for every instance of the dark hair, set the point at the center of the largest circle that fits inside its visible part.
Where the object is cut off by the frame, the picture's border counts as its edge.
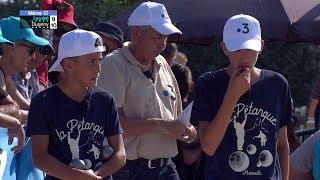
(170, 50)
(183, 76)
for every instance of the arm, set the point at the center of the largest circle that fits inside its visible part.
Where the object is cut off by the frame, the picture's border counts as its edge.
(50, 165)
(283, 150)
(140, 126)
(9, 107)
(23, 103)
(117, 160)
(211, 134)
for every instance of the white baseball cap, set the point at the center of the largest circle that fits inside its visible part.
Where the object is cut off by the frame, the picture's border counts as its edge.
(242, 32)
(154, 15)
(77, 43)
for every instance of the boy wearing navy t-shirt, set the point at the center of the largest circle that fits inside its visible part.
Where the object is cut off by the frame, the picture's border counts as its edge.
(243, 111)
(74, 124)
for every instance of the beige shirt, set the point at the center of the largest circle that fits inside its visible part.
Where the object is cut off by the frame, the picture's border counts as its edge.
(121, 75)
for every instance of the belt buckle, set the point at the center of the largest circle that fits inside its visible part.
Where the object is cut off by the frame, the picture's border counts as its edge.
(150, 164)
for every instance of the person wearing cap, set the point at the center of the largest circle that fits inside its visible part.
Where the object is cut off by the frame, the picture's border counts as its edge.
(243, 111)
(9, 113)
(111, 34)
(15, 60)
(73, 124)
(147, 96)
(65, 23)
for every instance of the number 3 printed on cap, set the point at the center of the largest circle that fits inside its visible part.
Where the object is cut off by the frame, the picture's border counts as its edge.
(245, 29)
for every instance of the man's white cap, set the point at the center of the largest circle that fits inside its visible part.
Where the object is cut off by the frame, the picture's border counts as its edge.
(77, 43)
(154, 15)
(242, 32)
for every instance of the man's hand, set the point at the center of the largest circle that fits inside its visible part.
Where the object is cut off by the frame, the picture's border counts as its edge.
(190, 133)
(17, 132)
(172, 128)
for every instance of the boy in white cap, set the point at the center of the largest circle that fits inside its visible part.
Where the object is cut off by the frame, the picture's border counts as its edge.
(243, 111)
(67, 120)
(147, 96)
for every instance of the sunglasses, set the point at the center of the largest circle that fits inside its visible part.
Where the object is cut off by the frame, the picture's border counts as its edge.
(31, 50)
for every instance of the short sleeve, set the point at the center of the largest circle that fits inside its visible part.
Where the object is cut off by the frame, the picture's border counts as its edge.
(287, 106)
(112, 79)
(202, 109)
(37, 119)
(302, 158)
(112, 126)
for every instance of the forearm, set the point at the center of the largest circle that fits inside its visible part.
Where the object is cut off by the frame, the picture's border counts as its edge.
(11, 110)
(284, 160)
(24, 116)
(53, 167)
(16, 95)
(138, 126)
(117, 160)
(214, 133)
(9, 122)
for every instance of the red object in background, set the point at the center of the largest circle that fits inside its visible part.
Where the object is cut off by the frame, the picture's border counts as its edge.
(42, 71)
(65, 10)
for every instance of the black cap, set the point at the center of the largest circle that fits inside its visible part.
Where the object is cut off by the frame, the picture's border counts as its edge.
(110, 30)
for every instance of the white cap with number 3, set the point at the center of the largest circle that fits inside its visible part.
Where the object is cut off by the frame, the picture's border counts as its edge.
(242, 32)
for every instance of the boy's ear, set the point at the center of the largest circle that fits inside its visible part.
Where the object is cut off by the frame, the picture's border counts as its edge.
(224, 49)
(66, 64)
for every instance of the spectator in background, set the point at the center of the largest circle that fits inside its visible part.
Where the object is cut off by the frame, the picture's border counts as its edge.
(66, 23)
(305, 160)
(10, 124)
(27, 82)
(111, 34)
(181, 58)
(15, 60)
(44, 55)
(190, 161)
(315, 96)
(170, 53)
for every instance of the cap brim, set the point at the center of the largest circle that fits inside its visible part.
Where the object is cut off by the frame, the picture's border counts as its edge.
(252, 44)
(3, 40)
(109, 36)
(57, 64)
(38, 41)
(166, 28)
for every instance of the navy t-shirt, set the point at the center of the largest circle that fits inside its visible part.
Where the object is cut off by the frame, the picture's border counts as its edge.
(248, 149)
(76, 130)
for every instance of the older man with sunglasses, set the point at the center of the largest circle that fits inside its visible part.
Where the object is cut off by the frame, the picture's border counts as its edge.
(15, 60)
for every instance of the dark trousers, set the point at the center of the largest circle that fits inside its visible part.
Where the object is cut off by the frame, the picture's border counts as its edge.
(138, 170)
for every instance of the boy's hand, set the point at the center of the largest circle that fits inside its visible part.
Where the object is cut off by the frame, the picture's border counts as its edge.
(87, 175)
(239, 82)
